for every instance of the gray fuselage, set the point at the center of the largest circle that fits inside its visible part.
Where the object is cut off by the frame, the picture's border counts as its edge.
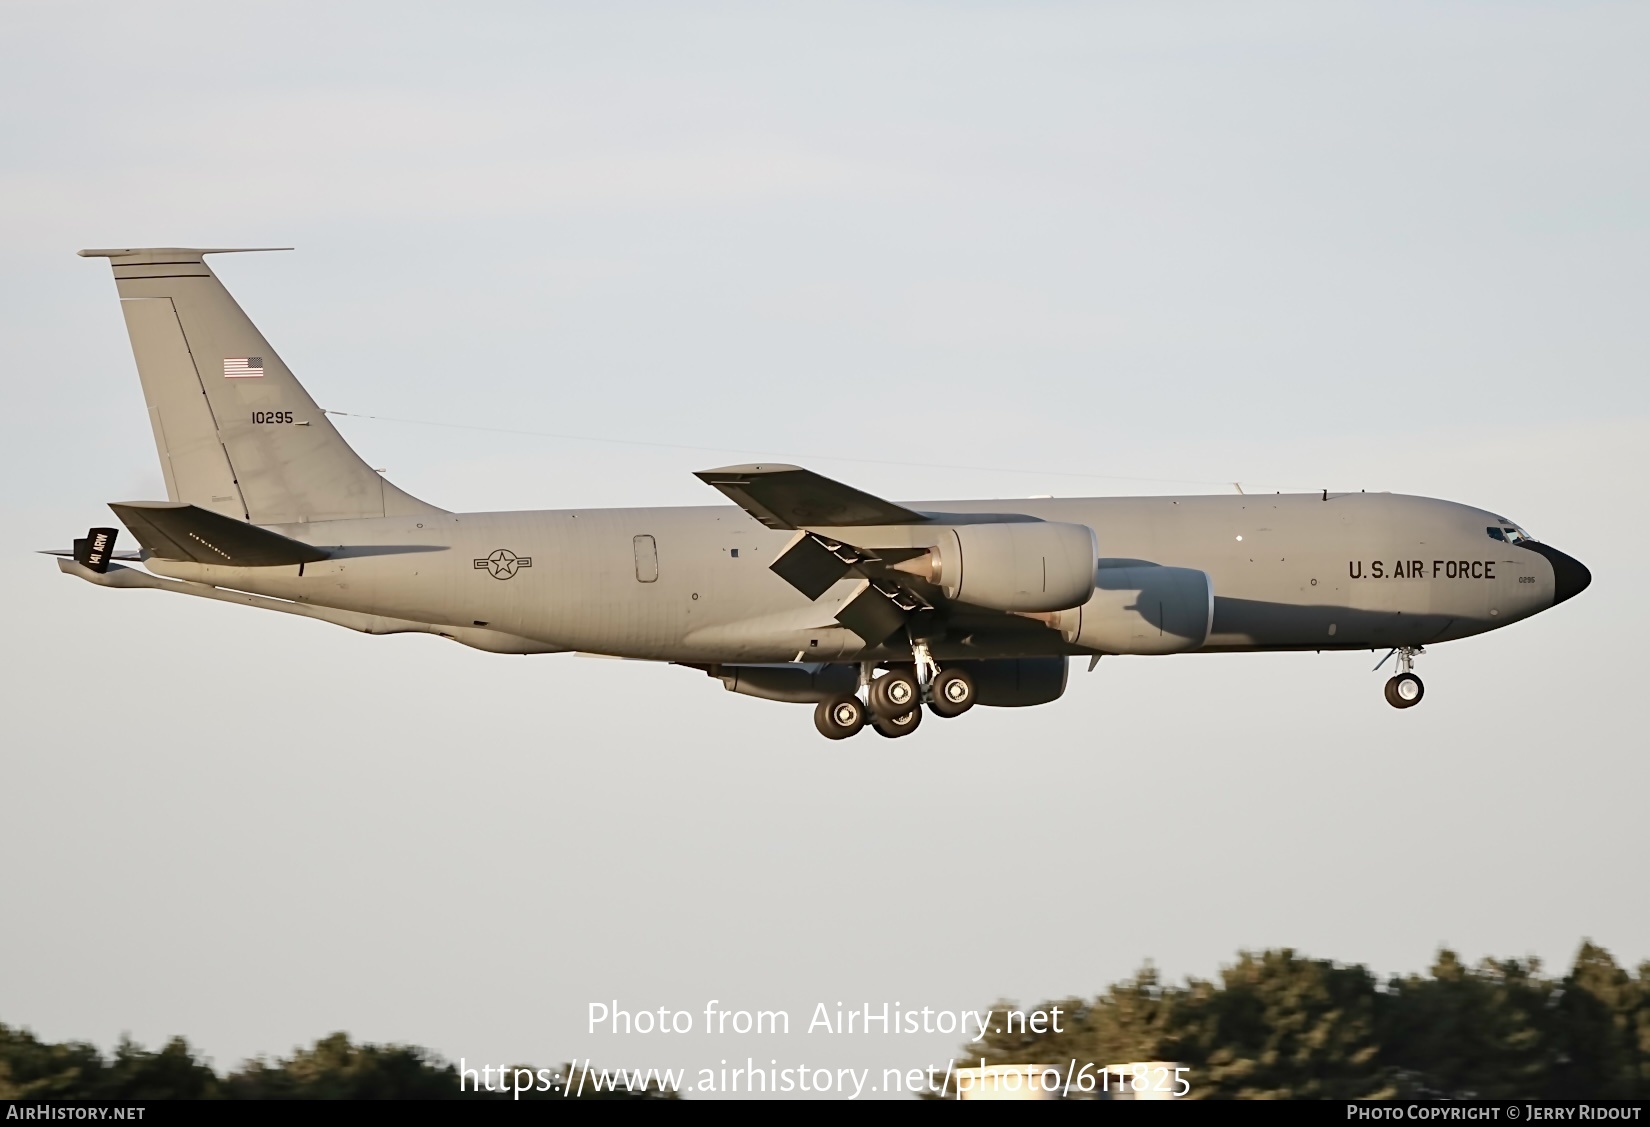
(693, 585)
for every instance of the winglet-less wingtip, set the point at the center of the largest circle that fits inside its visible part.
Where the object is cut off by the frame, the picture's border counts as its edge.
(129, 252)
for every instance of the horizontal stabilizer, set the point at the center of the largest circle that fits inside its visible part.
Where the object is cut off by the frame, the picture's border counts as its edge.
(792, 497)
(69, 553)
(174, 530)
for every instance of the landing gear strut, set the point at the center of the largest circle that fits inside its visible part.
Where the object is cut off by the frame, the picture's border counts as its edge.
(1404, 690)
(894, 700)
(947, 693)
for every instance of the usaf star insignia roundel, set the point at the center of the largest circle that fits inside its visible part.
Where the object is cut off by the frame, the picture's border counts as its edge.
(503, 563)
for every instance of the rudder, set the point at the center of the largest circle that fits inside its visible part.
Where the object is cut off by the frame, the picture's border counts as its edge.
(236, 432)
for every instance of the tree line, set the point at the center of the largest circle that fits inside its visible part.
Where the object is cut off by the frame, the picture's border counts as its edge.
(334, 1068)
(1274, 1025)
(1279, 1025)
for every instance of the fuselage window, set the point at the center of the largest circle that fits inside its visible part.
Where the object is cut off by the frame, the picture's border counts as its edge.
(1495, 534)
(647, 559)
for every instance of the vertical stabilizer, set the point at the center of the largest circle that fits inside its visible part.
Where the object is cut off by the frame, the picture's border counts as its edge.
(236, 432)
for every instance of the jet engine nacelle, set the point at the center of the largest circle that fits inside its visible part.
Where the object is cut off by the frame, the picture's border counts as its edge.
(1143, 610)
(1026, 566)
(1015, 682)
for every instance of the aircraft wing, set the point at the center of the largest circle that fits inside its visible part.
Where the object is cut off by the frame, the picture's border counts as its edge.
(174, 530)
(791, 497)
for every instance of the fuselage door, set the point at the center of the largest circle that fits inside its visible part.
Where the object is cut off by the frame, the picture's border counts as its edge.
(647, 559)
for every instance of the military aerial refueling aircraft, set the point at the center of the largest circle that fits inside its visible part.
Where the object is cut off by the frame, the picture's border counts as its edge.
(805, 589)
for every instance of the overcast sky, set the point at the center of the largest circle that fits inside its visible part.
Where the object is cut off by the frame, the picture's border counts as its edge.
(1081, 249)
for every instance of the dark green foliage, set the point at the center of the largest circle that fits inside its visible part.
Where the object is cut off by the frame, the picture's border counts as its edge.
(1281, 1026)
(32, 1069)
(1276, 1025)
(333, 1069)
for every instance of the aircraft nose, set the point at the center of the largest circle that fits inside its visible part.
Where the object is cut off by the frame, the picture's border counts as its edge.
(1570, 575)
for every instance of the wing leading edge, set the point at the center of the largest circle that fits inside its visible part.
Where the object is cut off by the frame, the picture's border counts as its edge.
(790, 497)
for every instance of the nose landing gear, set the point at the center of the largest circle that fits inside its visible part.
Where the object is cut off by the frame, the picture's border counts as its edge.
(1404, 689)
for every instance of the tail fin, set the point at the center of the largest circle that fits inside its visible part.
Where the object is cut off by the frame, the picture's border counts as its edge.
(237, 433)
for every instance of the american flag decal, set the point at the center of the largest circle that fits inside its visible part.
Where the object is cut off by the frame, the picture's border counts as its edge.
(242, 367)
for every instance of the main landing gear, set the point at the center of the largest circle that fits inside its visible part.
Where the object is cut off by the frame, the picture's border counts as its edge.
(1404, 690)
(893, 702)
(839, 717)
(902, 725)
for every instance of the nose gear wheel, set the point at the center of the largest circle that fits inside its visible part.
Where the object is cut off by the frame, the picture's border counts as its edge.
(1404, 689)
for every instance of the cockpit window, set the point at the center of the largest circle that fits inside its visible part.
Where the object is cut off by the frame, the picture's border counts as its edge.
(1515, 535)
(1495, 533)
